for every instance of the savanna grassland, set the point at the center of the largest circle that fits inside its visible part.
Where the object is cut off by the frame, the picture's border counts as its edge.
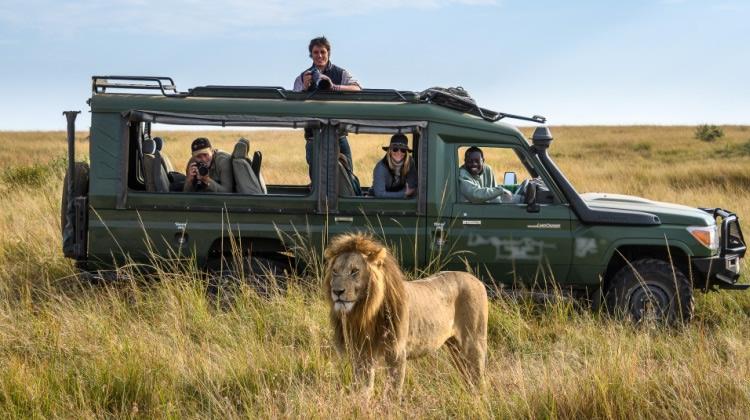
(165, 347)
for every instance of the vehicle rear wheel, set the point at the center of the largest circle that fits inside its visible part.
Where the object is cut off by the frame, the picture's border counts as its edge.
(651, 290)
(264, 274)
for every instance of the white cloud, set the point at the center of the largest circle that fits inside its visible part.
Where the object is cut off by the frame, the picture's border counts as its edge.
(194, 17)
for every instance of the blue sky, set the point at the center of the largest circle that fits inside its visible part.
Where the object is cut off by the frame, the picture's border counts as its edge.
(586, 62)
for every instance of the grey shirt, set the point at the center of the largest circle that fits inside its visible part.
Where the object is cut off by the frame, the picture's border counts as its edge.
(482, 188)
(220, 172)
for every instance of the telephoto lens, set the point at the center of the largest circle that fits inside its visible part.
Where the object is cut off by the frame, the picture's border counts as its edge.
(324, 84)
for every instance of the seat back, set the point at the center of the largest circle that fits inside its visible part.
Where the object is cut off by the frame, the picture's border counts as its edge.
(256, 163)
(160, 151)
(348, 182)
(154, 173)
(245, 180)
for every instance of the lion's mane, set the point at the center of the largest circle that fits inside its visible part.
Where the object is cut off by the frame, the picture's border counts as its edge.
(378, 322)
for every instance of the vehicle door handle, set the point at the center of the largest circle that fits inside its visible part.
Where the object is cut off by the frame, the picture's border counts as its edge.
(439, 235)
(343, 219)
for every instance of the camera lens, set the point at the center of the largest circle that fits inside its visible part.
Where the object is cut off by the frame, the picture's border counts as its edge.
(324, 84)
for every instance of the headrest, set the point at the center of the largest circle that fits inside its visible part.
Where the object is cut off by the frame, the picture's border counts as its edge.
(241, 149)
(149, 147)
(159, 143)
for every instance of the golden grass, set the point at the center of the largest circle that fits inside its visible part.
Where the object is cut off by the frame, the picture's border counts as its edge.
(146, 348)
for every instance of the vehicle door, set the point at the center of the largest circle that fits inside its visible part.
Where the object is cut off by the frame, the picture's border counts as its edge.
(506, 242)
(183, 224)
(396, 221)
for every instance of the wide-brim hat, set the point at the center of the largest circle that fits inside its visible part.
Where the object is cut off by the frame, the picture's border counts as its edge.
(399, 140)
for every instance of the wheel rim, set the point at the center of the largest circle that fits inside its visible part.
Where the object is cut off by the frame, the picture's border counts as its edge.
(649, 302)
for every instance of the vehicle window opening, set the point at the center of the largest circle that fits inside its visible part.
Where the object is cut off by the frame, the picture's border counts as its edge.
(499, 177)
(366, 147)
(260, 159)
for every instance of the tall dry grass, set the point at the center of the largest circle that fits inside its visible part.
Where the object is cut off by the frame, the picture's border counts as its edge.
(145, 347)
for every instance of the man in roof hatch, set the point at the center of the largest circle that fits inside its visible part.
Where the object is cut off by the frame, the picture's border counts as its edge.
(477, 181)
(209, 169)
(323, 74)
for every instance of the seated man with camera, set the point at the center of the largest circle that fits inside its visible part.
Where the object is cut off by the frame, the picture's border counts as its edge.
(323, 74)
(208, 170)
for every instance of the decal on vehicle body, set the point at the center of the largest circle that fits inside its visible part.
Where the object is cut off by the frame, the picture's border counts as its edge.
(585, 247)
(544, 226)
(512, 249)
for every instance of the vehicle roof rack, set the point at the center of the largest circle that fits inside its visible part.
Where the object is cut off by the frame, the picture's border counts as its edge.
(453, 98)
(166, 85)
(457, 98)
(266, 92)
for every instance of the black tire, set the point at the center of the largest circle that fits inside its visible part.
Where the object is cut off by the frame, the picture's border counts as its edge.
(266, 275)
(651, 289)
(80, 188)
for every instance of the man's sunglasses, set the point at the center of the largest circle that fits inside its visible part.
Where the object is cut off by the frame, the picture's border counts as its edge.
(399, 149)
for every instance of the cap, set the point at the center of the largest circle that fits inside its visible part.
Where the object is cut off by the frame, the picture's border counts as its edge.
(200, 145)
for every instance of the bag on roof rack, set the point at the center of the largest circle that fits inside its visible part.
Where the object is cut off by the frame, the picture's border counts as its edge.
(452, 97)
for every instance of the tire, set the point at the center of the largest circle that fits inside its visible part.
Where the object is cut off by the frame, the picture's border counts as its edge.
(266, 275)
(80, 188)
(651, 290)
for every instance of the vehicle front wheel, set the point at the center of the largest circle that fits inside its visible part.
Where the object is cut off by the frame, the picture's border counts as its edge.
(651, 290)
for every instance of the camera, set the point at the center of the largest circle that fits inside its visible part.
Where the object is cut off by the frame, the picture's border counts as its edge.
(202, 168)
(317, 81)
(202, 171)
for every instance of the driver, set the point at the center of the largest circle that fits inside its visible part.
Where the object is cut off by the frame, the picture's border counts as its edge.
(477, 182)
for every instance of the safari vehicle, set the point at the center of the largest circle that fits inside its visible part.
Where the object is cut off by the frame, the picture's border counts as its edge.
(637, 255)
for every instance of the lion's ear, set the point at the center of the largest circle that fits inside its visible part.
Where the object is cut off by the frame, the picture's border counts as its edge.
(377, 257)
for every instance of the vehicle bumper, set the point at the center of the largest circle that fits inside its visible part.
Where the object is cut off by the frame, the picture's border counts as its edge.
(719, 272)
(723, 270)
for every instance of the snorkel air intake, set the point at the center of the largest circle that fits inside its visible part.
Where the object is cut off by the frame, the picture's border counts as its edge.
(541, 141)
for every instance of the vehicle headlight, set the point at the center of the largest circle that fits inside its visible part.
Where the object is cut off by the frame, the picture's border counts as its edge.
(708, 236)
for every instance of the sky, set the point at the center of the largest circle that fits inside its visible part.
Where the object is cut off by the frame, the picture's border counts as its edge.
(574, 62)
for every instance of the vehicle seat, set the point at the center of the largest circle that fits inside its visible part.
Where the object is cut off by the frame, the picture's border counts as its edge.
(245, 180)
(160, 151)
(348, 182)
(256, 163)
(154, 173)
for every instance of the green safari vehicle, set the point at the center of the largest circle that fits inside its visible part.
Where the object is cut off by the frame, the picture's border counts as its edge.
(640, 257)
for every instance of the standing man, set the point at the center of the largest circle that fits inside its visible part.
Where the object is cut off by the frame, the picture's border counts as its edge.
(324, 75)
(334, 76)
(477, 181)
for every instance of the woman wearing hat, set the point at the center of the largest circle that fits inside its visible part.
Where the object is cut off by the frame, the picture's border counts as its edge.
(395, 176)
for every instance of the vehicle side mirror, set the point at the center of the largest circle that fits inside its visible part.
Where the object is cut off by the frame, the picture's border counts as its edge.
(530, 197)
(510, 178)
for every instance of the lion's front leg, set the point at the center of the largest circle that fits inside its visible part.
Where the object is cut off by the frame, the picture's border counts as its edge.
(364, 375)
(397, 371)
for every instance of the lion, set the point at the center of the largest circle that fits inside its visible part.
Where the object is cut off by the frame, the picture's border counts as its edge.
(378, 316)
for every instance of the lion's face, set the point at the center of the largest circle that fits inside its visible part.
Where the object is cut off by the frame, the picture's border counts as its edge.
(349, 281)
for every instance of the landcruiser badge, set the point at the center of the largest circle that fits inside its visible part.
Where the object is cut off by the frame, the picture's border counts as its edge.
(544, 226)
